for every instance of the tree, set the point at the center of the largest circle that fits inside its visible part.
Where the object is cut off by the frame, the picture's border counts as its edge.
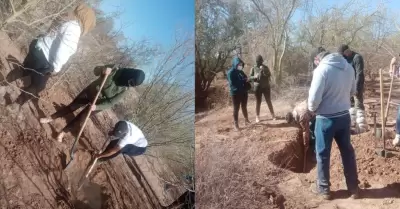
(277, 15)
(219, 29)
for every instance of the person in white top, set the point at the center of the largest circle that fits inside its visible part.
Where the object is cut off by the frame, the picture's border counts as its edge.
(128, 139)
(48, 53)
(394, 66)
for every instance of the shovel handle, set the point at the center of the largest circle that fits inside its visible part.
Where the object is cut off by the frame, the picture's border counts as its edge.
(87, 117)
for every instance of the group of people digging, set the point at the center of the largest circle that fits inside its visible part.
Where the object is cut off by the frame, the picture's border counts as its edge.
(239, 84)
(46, 57)
(336, 92)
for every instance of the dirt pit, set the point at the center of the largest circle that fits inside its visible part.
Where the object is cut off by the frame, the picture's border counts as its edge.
(291, 156)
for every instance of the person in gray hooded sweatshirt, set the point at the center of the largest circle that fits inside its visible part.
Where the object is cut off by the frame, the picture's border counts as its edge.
(332, 85)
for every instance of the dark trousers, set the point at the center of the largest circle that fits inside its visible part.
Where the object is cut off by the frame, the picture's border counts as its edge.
(80, 101)
(39, 69)
(357, 101)
(130, 150)
(239, 100)
(267, 96)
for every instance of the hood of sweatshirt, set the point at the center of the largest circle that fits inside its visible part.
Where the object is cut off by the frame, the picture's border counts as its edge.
(335, 60)
(235, 62)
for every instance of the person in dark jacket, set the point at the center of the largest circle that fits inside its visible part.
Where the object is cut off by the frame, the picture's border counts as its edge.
(115, 87)
(238, 84)
(261, 76)
(357, 61)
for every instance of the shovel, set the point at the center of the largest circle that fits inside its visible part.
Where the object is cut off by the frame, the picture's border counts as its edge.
(84, 123)
(90, 167)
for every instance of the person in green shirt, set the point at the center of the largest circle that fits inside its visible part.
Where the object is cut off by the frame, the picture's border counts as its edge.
(261, 76)
(115, 87)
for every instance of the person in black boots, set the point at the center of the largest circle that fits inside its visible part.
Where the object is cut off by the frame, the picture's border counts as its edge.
(239, 85)
(261, 76)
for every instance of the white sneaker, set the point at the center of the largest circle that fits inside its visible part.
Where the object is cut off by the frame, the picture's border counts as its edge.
(45, 120)
(257, 119)
(396, 140)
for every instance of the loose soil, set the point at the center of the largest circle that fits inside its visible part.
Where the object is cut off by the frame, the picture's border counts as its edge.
(31, 174)
(261, 166)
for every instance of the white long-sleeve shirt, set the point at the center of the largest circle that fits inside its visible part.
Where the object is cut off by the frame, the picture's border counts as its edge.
(58, 47)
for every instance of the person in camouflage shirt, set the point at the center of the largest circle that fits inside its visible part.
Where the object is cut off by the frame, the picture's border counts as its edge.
(261, 76)
(115, 87)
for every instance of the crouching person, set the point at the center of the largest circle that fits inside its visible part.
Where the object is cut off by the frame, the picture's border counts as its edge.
(127, 139)
(302, 117)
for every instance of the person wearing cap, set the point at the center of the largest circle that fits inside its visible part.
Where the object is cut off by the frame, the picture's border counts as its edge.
(115, 87)
(127, 139)
(329, 100)
(48, 53)
(261, 75)
(238, 87)
(357, 61)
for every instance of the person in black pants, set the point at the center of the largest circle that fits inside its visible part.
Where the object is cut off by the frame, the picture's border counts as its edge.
(239, 85)
(38, 68)
(261, 76)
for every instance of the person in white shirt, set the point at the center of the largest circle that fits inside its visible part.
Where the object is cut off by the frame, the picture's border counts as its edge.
(48, 53)
(394, 66)
(128, 139)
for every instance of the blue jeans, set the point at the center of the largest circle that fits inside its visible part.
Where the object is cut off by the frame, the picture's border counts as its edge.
(327, 129)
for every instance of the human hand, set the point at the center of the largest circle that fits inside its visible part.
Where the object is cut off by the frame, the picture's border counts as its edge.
(96, 155)
(93, 107)
(107, 71)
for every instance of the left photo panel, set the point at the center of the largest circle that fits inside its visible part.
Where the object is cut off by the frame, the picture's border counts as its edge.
(97, 104)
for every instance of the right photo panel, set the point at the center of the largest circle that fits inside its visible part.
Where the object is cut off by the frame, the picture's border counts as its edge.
(297, 104)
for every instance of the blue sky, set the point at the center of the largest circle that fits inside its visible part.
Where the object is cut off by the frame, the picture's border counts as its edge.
(153, 20)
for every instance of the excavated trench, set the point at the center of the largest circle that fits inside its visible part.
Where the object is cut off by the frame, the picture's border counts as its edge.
(291, 156)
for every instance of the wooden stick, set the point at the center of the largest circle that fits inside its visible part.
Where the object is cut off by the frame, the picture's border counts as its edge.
(388, 101)
(382, 109)
(86, 119)
(91, 167)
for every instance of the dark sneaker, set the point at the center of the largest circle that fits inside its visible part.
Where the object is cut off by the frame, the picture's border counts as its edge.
(247, 122)
(325, 196)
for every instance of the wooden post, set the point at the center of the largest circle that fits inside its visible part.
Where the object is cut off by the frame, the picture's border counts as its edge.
(382, 109)
(388, 100)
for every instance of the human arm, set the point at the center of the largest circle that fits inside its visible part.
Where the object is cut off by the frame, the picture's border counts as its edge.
(103, 104)
(108, 153)
(102, 70)
(392, 65)
(359, 68)
(233, 79)
(316, 90)
(353, 91)
(252, 76)
(64, 46)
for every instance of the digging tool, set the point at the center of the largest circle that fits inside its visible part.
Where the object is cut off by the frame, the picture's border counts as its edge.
(90, 167)
(388, 101)
(84, 123)
(382, 111)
